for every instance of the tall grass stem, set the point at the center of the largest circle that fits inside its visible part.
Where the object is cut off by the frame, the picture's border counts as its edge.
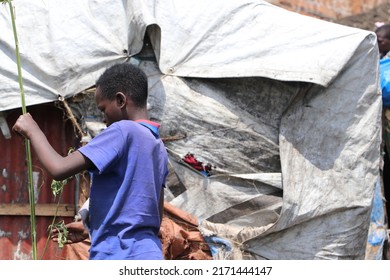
(27, 142)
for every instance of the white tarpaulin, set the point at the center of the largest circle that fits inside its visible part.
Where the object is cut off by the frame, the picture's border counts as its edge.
(286, 107)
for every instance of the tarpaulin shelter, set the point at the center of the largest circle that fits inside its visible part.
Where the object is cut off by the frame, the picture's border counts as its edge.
(286, 109)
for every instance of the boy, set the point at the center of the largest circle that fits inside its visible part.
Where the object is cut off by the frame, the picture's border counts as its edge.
(128, 162)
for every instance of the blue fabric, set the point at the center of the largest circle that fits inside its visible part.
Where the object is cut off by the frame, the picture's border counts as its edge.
(384, 70)
(377, 231)
(217, 244)
(152, 128)
(131, 168)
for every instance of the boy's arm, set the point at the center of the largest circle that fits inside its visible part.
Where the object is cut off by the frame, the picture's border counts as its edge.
(59, 167)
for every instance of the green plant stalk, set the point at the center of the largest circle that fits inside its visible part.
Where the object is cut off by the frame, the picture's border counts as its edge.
(27, 142)
(52, 225)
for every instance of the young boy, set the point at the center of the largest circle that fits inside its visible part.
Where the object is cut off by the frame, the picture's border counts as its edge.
(128, 163)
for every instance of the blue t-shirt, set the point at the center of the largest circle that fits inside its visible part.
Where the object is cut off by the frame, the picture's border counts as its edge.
(384, 69)
(131, 168)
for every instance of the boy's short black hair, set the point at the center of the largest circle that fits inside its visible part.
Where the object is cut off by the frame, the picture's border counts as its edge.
(385, 28)
(126, 78)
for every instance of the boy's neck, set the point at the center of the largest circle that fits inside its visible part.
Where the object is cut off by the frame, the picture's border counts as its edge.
(140, 114)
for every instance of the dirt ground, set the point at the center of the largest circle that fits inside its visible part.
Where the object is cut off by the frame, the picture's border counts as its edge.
(367, 20)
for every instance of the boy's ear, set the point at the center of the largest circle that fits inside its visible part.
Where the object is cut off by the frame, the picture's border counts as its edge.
(120, 99)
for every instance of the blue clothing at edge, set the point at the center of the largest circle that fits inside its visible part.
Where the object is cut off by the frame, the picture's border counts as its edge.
(131, 168)
(384, 70)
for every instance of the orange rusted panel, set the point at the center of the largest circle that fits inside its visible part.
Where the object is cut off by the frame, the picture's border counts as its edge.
(15, 230)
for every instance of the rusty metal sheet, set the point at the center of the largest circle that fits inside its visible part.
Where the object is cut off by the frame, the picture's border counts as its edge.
(15, 223)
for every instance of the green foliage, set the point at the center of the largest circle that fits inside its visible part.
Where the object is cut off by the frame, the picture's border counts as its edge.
(62, 232)
(58, 186)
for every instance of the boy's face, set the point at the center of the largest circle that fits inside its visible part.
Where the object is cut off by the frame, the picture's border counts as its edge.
(383, 41)
(111, 110)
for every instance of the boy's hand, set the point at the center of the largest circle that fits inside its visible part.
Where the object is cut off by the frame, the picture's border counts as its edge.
(76, 233)
(25, 125)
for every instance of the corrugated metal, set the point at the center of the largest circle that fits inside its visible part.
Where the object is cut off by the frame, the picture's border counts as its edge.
(15, 226)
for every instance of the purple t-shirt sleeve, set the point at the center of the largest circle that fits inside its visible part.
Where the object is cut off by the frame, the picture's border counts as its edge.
(105, 148)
